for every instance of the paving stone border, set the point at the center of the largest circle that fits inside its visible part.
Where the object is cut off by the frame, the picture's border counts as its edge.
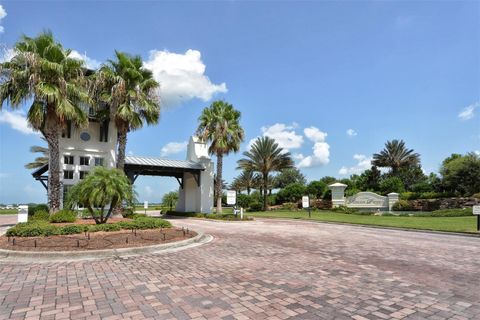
(49, 256)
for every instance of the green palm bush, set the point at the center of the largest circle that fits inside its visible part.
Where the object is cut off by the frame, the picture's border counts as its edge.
(100, 192)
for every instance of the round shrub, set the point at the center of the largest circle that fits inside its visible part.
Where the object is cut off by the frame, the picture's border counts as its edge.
(402, 205)
(33, 229)
(255, 206)
(63, 216)
(40, 215)
(71, 229)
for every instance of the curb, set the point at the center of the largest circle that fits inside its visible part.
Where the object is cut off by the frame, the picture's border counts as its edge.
(206, 219)
(49, 256)
(447, 233)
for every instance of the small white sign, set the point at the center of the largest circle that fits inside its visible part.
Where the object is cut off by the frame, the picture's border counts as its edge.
(22, 214)
(145, 204)
(305, 202)
(231, 197)
(476, 210)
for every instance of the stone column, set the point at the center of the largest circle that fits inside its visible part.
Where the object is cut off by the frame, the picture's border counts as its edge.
(338, 194)
(392, 199)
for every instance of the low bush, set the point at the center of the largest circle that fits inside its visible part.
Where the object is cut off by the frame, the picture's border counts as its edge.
(63, 216)
(447, 213)
(402, 205)
(40, 215)
(224, 216)
(33, 229)
(255, 206)
(345, 209)
(73, 229)
(107, 227)
(36, 207)
(128, 213)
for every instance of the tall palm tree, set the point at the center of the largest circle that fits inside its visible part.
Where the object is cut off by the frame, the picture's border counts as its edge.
(395, 155)
(39, 161)
(42, 72)
(130, 92)
(265, 157)
(220, 125)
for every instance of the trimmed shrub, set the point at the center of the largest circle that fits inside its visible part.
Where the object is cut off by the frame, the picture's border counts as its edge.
(40, 215)
(345, 209)
(255, 206)
(128, 213)
(107, 227)
(72, 229)
(447, 213)
(33, 229)
(402, 205)
(63, 216)
(32, 208)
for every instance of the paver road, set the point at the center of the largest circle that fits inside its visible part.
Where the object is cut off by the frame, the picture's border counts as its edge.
(265, 269)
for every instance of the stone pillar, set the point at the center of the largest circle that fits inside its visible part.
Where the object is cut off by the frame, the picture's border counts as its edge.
(338, 194)
(392, 199)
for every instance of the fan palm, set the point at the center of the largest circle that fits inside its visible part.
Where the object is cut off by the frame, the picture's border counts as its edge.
(395, 155)
(100, 192)
(42, 72)
(130, 92)
(39, 161)
(220, 125)
(265, 157)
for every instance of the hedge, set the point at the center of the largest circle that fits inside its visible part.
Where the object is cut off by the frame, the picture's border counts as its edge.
(223, 216)
(43, 228)
(63, 216)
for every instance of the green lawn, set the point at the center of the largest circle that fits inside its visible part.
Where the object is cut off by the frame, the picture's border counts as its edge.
(452, 224)
(8, 211)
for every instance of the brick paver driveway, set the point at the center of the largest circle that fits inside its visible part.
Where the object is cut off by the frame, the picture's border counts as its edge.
(262, 269)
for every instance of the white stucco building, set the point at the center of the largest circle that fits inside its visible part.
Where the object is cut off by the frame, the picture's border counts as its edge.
(81, 149)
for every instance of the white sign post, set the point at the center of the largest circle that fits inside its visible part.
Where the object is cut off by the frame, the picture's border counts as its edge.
(231, 197)
(145, 206)
(22, 214)
(476, 211)
(306, 204)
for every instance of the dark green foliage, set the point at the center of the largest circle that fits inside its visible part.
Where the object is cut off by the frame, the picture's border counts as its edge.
(63, 216)
(291, 193)
(447, 213)
(38, 207)
(107, 227)
(287, 177)
(223, 216)
(33, 229)
(170, 199)
(396, 156)
(72, 229)
(461, 174)
(243, 200)
(345, 209)
(392, 184)
(40, 215)
(128, 213)
(316, 189)
(255, 206)
(402, 205)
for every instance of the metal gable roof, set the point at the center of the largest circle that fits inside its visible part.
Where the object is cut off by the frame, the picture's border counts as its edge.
(158, 162)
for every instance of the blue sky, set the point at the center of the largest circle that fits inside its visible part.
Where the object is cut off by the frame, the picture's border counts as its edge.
(307, 73)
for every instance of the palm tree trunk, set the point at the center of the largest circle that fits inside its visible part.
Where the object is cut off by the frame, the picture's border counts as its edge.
(51, 135)
(122, 145)
(218, 185)
(265, 192)
(248, 190)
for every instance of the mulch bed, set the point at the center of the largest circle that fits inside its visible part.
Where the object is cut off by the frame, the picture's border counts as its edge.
(96, 240)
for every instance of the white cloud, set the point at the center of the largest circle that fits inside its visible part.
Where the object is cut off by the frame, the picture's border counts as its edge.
(17, 121)
(173, 147)
(283, 134)
(298, 156)
(351, 133)
(468, 112)
(363, 163)
(6, 54)
(181, 76)
(3, 14)
(477, 152)
(89, 62)
(321, 149)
